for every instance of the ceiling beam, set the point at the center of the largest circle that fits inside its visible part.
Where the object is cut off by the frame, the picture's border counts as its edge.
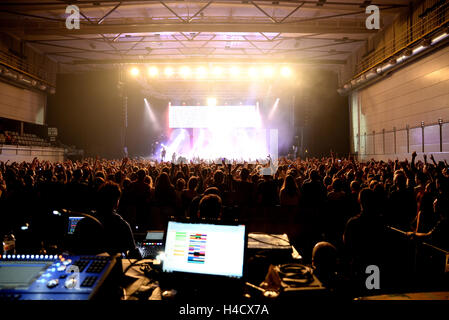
(328, 27)
(266, 2)
(208, 60)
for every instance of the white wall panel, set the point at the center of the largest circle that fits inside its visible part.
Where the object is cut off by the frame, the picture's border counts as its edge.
(418, 92)
(22, 104)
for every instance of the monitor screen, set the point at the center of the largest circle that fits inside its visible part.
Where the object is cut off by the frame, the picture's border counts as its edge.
(15, 274)
(73, 221)
(154, 235)
(205, 249)
(214, 116)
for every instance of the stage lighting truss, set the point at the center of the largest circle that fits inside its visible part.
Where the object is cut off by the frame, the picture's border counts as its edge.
(215, 72)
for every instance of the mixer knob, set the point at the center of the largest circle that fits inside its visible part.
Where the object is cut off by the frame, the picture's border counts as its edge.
(70, 283)
(52, 283)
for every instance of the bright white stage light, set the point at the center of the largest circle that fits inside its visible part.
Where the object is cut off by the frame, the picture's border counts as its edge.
(217, 71)
(134, 71)
(286, 72)
(185, 72)
(201, 72)
(253, 72)
(268, 72)
(234, 71)
(168, 71)
(153, 71)
(211, 102)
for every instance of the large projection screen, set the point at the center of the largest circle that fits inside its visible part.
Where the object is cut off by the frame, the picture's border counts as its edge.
(214, 116)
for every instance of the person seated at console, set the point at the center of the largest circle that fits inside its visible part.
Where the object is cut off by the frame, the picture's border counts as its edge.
(106, 231)
(210, 207)
(324, 263)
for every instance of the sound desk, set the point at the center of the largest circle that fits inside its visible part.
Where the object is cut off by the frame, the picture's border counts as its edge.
(53, 277)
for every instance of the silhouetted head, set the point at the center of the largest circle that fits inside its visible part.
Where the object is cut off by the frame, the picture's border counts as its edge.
(218, 177)
(324, 260)
(400, 180)
(210, 206)
(355, 186)
(180, 183)
(367, 201)
(192, 183)
(212, 190)
(290, 185)
(244, 174)
(314, 175)
(77, 174)
(337, 185)
(163, 181)
(107, 197)
(141, 175)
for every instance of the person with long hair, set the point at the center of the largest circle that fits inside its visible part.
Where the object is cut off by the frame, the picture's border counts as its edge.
(289, 194)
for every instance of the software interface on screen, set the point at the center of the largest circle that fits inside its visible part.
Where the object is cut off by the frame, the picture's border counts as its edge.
(73, 221)
(205, 249)
(19, 275)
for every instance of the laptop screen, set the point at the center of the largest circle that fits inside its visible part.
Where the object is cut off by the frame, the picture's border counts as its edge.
(73, 221)
(210, 249)
(154, 235)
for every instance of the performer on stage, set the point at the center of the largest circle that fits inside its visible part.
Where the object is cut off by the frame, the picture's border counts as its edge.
(163, 152)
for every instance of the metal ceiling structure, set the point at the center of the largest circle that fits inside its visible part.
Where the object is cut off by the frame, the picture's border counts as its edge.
(111, 32)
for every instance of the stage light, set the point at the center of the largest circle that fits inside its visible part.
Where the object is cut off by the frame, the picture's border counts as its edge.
(211, 102)
(286, 72)
(273, 110)
(217, 71)
(253, 72)
(234, 71)
(153, 71)
(201, 72)
(168, 71)
(134, 71)
(268, 72)
(185, 72)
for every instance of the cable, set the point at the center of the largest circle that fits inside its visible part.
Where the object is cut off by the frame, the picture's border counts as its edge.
(132, 264)
(295, 274)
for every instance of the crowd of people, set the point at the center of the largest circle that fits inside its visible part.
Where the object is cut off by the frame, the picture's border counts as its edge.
(347, 203)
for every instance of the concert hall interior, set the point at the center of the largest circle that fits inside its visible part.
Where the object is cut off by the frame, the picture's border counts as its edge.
(207, 151)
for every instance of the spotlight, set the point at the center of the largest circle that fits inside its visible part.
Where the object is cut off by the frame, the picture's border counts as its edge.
(168, 71)
(211, 102)
(153, 71)
(234, 71)
(201, 72)
(134, 71)
(268, 72)
(217, 71)
(185, 72)
(253, 72)
(286, 72)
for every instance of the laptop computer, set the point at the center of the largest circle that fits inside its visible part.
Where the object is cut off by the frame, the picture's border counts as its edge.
(150, 244)
(204, 255)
